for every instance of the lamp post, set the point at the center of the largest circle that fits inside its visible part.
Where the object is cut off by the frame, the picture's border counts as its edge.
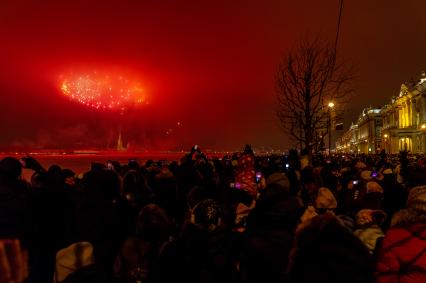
(330, 107)
(386, 142)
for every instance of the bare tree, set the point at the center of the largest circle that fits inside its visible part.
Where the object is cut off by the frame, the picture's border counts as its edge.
(308, 79)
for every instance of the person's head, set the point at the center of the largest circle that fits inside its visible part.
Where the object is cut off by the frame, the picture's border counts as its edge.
(415, 211)
(374, 187)
(416, 177)
(325, 200)
(103, 183)
(276, 208)
(388, 174)
(68, 176)
(116, 165)
(417, 199)
(206, 215)
(133, 164)
(325, 251)
(54, 170)
(307, 175)
(366, 175)
(369, 217)
(248, 149)
(135, 188)
(279, 179)
(153, 224)
(39, 180)
(10, 168)
(97, 166)
(173, 167)
(134, 182)
(360, 166)
(55, 178)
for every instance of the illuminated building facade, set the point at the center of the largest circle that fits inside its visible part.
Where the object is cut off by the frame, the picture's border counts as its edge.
(397, 126)
(349, 140)
(404, 119)
(369, 128)
(364, 136)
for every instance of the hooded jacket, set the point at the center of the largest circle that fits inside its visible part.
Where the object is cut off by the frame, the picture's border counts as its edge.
(402, 257)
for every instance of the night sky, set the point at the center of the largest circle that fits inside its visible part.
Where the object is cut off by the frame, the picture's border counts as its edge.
(209, 65)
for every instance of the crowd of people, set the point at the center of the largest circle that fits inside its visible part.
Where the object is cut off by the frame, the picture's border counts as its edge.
(241, 218)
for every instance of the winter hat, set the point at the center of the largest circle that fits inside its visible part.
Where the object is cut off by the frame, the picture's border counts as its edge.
(345, 169)
(360, 165)
(207, 215)
(72, 258)
(374, 187)
(366, 217)
(279, 179)
(417, 199)
(366, 175)
(325, 199)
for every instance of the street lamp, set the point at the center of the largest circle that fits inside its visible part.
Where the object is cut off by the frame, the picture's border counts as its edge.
(386, 142)
(330, 107)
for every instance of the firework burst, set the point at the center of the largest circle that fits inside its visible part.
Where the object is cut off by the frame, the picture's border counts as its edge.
(103, 92)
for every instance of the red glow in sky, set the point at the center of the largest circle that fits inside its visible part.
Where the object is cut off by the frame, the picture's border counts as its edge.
(103, 91)
(209, 64)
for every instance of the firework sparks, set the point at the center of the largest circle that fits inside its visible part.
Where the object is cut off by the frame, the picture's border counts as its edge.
(104, 92)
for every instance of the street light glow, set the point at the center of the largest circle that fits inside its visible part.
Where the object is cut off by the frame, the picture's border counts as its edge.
(424, 126)
(330, 106)
(385, 136)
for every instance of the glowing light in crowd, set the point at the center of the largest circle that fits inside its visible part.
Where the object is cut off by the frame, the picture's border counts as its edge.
(103, 91)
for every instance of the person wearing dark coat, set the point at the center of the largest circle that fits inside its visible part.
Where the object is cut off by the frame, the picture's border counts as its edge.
(395, 195)
(325, 251)
(99, 216)
(267, 240)
(204, 247)
(149, 255)
(13, 199)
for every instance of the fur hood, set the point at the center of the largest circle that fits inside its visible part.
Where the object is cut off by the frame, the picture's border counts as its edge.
(408, 216)
(416, 208)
